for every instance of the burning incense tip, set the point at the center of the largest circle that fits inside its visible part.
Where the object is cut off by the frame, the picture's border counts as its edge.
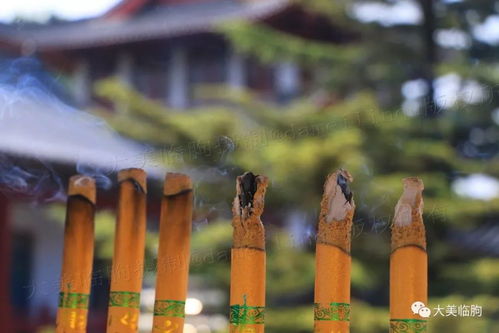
(337, 209)
(137, 176)
(343, 184)
(408, 227)
(338, 195)
(84, 186)
(332, 258)
(247, 272)
(176, 183)
(248, 187)
(250, 195)
(247, 209)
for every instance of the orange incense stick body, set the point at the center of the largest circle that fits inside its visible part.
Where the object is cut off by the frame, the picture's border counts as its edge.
(409, 262)
(173, 254)
(247, 275)
(128, 260)
(76, 275)
(333, 261)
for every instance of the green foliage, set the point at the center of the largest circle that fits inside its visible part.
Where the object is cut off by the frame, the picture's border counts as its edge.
(297, 152)
(279, 270)
(368, 319)
(210, 254)
(482, 272)
(352, 118)
(289, 319)
(273, 44)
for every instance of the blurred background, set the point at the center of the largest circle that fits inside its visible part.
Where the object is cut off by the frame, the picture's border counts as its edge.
(292, 89)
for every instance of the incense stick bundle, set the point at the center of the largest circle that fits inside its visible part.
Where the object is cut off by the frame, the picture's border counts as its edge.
(128, 260)
(173, 254)
(332, 258)
(247, 275)
(78, 252)
(409, 262)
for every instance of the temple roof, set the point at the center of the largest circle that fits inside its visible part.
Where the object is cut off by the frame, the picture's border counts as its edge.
(36, 124)
(44, 129)
(161, 22)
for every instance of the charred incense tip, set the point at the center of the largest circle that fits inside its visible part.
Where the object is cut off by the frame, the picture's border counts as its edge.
(337, 208)
(342, 179)
(247, 209)
(250, 190)
(247, 189)
(408, 227)
(176, 183)
(338, 198)
(83, 186)
(135, 175)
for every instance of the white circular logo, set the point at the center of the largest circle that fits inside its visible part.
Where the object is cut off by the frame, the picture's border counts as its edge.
(424, 312)
(416, 306)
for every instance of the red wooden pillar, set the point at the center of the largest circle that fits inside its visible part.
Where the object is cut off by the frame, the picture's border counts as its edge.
(5, 253)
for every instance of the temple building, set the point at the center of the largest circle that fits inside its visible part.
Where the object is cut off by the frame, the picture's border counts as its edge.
(163, 48)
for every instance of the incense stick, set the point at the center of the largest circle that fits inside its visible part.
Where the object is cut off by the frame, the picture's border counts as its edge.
(333, 261)
(128, 260)
(173, 254)
(409, 262)
(247, 288)
(78, 252)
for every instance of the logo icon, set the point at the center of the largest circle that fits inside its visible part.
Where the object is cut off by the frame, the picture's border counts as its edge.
(421, 309)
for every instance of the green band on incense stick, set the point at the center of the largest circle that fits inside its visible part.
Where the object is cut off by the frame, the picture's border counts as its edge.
(332, 312)
(169, 308)
(124, 299)
(73, 300)
(245, 314)
(407, 326)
